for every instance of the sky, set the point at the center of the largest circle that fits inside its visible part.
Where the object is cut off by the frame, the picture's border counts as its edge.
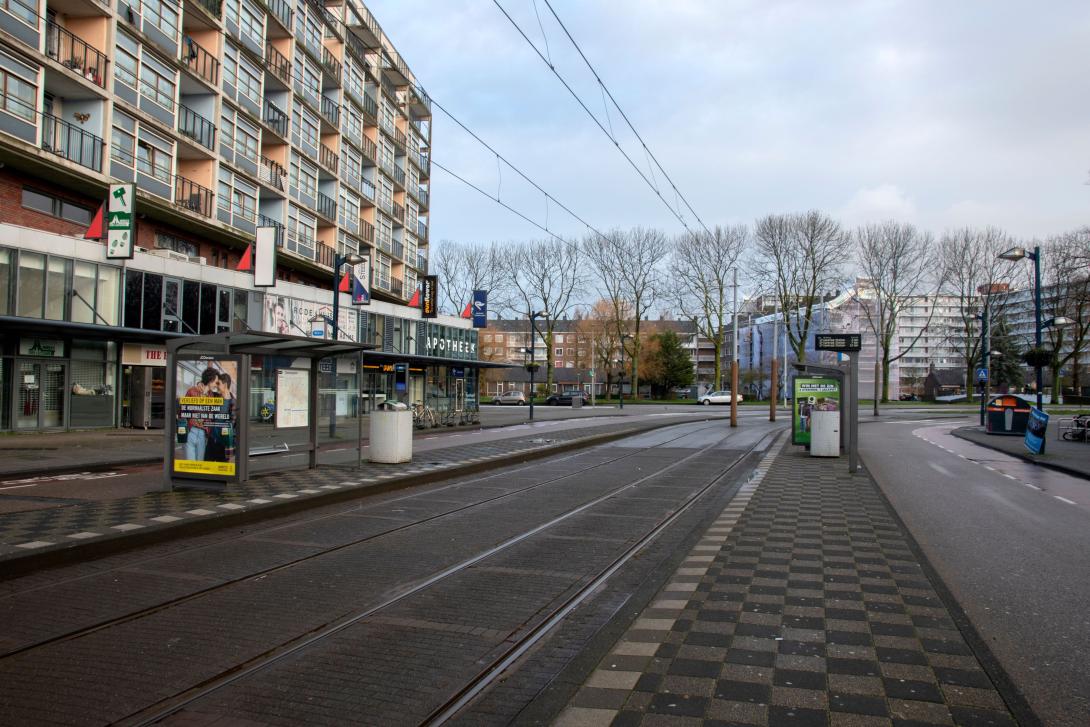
(937, 112)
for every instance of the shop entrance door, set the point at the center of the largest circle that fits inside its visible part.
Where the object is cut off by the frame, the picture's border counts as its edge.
(40, 394)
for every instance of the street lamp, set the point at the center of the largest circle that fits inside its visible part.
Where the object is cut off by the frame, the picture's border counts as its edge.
(534, 315)
(620, 388)
(340, 261)
(1015, 254)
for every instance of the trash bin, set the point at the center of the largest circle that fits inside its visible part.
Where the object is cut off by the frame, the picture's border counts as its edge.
(577, 402)
(824, 434)
(391, 433)
(1006, 415)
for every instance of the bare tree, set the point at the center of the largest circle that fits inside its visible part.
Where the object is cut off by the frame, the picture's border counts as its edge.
(463, 267)
(545, 276)
(898, 263)
(972, 270)
(1066, 292)
(598, 330)
(798, 257)
(629, 270)
(700, 279)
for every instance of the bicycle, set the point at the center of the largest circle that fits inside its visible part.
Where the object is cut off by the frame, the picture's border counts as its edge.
(423, 416)
(1076, 429)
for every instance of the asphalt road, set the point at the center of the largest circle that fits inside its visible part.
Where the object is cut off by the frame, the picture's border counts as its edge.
(1012, 543)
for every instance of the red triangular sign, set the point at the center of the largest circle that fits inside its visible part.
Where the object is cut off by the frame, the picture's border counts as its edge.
(245, 262)
(468, 312)
(94, 232)
(346, 284)
(415, 302)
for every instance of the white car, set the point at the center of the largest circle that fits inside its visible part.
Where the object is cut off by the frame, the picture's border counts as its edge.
(719, 397)
(511, 397)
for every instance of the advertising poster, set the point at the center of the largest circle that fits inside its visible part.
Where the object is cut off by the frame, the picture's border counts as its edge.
(207, 417)
(361, 283)
(812, 394)
(480, 308)
(292, 398)
(1035, 431)
(429, 301)
(293, 317)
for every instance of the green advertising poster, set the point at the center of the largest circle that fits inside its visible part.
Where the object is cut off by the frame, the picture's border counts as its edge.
(812, 394)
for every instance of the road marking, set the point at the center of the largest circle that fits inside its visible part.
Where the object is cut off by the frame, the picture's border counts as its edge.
(940, 469)
(1064, 499)
(1009, 477)
(1032, 487)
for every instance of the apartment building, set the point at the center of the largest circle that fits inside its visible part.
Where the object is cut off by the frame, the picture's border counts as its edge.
(227, 115)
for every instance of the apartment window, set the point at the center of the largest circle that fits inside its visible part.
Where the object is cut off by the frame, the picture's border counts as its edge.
(157, 82)
(163, 241)
(305, 128)
(23, 11)
(244, 200)
(307, 74)
(385, 231)
(227, 129)
(386, 195)
(383, 264)
(348, 210)
(20, 94)
(126, 61)
(410, 280)
(353, 78)
(312, 35)
(223, 199)
(123, 140)
(250, 20)
(248, 79)
(162, 15)
(387, 116)
(351, 161)
(302, 177)
(50, 205)
(154, 156)
(352, 122)
(246, 139)
(302, 228)
(386, 155)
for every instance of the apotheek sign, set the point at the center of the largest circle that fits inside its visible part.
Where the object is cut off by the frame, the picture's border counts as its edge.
(48, 347)
(446, 346)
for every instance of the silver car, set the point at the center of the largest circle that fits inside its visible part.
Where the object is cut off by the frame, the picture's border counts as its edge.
(516, 398)
(719, 397)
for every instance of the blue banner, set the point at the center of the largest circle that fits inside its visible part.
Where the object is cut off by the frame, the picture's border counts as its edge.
(1035, 431)
(480, 308)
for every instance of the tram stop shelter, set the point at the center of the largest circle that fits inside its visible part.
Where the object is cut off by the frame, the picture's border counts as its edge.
(847, 383)
(208, 401)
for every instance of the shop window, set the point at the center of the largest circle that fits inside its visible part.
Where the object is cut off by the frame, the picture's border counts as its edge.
(83, 293)
(134, 296)
(153, 302)
(6, 256)
(106, 301)
(57, 288)
(30, 290)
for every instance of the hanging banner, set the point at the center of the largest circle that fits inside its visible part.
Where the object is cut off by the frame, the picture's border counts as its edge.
(206, 417)
(480, 308)
(361, 283)
(120, 222)
(812, 394)
(429, 301)
(265, 258)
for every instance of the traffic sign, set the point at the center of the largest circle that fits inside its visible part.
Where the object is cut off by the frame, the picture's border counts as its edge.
(838, 341)
(982, 374)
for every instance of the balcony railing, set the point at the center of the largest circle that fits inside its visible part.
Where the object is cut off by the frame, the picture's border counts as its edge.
(192, 196)
(367, 231)
(271, 173)
(421, 230)
(282, 10)
(370, 106)
(397, 250)
(398, 213)
(277, 63)
(74, 54)
(370, 149)
(367, 187)
(323, 255)
(263, 221)
(200, 61)
(331, 110)
(400, 140)
(328, 158)
(399, 176)
(71, 142)
(327, 206)
(276, 119)
(421, 263)
(331, 65)
(196, 127)
(301, 244)
(422, 197)
(213, 6)
(397, 287)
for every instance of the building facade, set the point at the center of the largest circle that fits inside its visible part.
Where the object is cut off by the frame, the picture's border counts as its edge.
(226, 115)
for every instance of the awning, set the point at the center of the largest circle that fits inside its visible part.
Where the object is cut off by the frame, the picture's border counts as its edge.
(267, 344)
(388, 357)
(39, 326)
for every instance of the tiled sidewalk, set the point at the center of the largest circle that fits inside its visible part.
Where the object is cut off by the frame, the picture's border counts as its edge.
(37, 531)
(802, 605)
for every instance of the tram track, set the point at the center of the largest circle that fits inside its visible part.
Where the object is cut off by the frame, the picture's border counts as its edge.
(135, 615)
(512, 649)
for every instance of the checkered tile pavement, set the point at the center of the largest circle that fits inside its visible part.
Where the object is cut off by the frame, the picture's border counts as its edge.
(62, 527)
(803, 604)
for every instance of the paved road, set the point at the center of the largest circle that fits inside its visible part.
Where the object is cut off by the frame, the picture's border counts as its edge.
(1011, 541)
(410, 593)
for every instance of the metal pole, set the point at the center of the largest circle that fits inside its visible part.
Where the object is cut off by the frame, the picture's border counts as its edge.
(772, 396)
(853, 414)
(1037, 318)
(734, 359)
(593, 374)
(337, 262)
(985, 346)
(359, 410)
(620, 387)
(533, 368)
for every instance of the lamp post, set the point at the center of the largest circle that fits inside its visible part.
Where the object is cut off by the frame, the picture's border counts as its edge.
(339, 261)
(531, 368)
(1015, 254)
(620, 387)
(534, 315)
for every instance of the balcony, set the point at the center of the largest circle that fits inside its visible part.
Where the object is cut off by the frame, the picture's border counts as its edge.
(71, 142)
(196, 127)
(200, 61)
(192, 196)
(421, 230)
(327, 207)
(276, 119)
(278, 64)
(397, 250)
(263, 221)
(367, 231)
(370, 150)
(422, 197)
(400, 141)
(397, 287)
(421, 263)
(367, 188)
(271, 173)
(75, 55)
(399, 176)
(331, 66)
(215, 7)
(331, 111)
(398, 214)
(324, 254)
(282, 11)
(425, 165)
(370, 108)
(327, 158)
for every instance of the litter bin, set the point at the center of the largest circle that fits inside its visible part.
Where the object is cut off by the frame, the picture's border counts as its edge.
(824, 434)
(1006, 415)
(577, 402)
(391, 433)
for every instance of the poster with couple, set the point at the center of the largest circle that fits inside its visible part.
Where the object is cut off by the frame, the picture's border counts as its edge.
(207, 417)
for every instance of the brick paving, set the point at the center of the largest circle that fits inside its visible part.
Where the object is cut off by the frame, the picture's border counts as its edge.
(803, 604)
(37, 531)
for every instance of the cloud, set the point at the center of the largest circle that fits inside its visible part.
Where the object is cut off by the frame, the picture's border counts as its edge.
(878, 204)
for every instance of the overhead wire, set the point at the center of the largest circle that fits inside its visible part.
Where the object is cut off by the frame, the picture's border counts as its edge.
(621, 111)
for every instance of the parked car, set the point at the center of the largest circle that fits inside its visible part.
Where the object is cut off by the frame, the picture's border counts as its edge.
(516, 398)
(719, 397)
(565, 398)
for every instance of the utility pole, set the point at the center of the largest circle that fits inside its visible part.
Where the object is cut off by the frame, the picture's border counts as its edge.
(774, 376)
(734, 360)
